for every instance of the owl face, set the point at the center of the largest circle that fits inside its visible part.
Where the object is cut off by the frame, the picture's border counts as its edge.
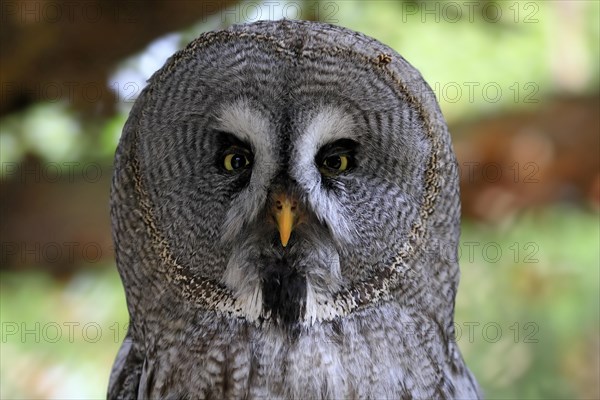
(282, 178)
(286, 176)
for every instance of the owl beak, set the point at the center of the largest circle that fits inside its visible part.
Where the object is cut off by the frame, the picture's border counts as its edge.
(285, 213)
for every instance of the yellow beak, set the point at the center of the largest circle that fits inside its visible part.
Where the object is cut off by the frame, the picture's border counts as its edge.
(284, 211)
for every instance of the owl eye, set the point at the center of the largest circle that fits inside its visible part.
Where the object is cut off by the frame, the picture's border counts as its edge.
(235, 161)
(337, 157)
(336, 162)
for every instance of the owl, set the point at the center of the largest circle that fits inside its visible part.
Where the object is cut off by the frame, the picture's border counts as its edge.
(285, 211)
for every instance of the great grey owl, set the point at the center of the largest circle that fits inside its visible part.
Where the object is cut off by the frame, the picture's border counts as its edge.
(285, 215)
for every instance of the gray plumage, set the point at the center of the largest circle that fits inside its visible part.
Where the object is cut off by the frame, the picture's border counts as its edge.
(360, 302)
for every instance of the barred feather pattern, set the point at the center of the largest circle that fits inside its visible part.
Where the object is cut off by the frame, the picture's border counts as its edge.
(360, 304)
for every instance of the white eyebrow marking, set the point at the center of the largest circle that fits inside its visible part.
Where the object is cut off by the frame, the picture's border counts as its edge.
(240, 119)
(245, 122)
(328, 125)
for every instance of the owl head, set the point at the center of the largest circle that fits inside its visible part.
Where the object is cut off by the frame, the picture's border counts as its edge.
(285, 175)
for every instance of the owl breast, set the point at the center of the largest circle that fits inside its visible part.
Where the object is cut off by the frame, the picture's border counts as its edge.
(365, 356)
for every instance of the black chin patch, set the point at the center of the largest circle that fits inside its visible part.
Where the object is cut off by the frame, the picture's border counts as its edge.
(284, 292)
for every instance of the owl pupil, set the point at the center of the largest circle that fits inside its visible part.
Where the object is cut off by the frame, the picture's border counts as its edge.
(238, 161)
(334, 162)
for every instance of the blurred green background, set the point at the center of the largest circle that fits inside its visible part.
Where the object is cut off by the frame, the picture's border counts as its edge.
(518, 82)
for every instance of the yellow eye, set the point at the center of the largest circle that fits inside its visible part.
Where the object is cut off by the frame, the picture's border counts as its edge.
(235, 161)
(336, 162)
